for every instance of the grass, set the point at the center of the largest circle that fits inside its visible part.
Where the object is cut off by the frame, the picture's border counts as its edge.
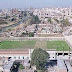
(41, 44)
(58, 45)
(17, 44)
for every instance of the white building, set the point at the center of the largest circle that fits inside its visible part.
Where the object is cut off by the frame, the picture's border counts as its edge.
(26, 53)
(14, 54)
(53, 12)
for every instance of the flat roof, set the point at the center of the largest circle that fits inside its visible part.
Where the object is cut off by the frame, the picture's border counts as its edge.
(14, 51)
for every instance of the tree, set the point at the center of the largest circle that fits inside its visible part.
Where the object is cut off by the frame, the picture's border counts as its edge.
(31, 14)
(65, 22)
(31, 34)
(25, 14)
(15, 67)
(21, 66)
(39, 58)
(7, 17)
(49, 20)
(35, 19)
(0, 28)
(30, 21)
(13, 19)
(56, 20)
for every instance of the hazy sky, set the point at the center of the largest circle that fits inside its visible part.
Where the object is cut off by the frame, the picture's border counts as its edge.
(34, 3)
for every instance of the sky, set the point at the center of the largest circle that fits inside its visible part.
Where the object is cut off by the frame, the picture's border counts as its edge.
(34, 3)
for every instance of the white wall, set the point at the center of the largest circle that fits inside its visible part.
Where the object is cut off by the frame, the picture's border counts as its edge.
(16, 57)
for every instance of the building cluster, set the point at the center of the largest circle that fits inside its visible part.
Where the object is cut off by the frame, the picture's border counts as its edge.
(42, 13)
(44, 27)
(13, 13)
(53, 12)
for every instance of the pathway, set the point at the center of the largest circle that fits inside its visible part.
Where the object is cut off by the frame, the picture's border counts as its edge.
(41, 44)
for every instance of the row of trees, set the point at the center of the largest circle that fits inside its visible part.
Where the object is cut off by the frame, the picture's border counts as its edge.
(30, 34)
(64, 22)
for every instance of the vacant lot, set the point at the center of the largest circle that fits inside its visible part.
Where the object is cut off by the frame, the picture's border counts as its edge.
(17, 44)
(58, 45)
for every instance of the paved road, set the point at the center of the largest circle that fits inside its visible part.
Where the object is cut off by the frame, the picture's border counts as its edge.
(41, 44)
(7, 66)
(69, 40)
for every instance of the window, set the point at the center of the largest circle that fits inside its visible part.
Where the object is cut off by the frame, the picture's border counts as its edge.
(49, 57)
(14, 57)
(60, 54)
(46, 17)
(70, 53)
(19, 57)
(39, 13)
(53, 57)
(56, 53)
(65, 53)
(47, 14)
(23, 57)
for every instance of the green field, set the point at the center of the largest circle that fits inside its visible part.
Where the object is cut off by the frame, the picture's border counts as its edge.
(58, 45)
(17, 44)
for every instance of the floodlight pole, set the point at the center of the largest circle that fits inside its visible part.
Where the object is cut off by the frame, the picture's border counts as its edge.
(63, 49)
(69, 50)
(57, 51)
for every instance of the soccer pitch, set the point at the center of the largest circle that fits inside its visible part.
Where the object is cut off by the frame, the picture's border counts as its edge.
(58, 45)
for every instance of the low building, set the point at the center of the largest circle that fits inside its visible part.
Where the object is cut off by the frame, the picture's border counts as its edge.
(21, 54)
(13, 54)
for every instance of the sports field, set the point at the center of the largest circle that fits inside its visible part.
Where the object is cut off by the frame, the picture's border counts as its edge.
(58, 45)
(17, 44)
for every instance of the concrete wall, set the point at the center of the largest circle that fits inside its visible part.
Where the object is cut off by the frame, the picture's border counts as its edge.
(31, 38)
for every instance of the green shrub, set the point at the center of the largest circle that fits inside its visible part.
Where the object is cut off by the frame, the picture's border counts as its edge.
(21, 66)
(31, 34)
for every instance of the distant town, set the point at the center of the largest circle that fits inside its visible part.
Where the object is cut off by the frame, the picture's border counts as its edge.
(36, 40)
(35, 22)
